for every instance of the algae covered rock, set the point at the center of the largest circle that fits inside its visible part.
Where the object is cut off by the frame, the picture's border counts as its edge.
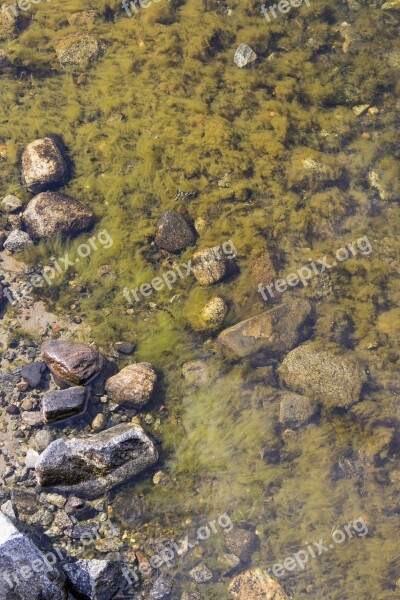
(242, 543)
(78, 49)
(44, 164)
(275, 331)
(84, 17)
(72, 363)
(93, 465)
(323, 375)
(17, 241)
(210, 267)
(52, 213)
(174, 233)
(11, 203)
(213, 313)
(296, 410)
(133, 385)
(8, 24)
(254, 585)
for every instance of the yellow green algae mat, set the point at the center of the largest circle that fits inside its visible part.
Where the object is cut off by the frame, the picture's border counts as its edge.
(200, 322)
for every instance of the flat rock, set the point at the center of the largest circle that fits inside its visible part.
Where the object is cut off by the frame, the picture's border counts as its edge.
(95, 579)
(51, 214)
(17, 241)
(40, 581)
(133, 385)
(93, 465)
(64, 404)
(296, 410)
(73, 363)
(273, 332)
(174, 233)
(254, 585)
(77, 49)
(33, 373)
(326, 376)
(44, 164)
(244, 56)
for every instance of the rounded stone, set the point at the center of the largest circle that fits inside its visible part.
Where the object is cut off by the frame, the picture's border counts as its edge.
(17, 241)
(44, 164)
(133, 385)
(174, 233)
(213, 313)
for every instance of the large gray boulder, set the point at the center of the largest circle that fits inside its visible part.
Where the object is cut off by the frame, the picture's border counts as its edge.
(72, 363)
(91, 466)
(51, 214)
(25, 572)
(275, 331)
(323, 375)
(44, 164)
(95, 579)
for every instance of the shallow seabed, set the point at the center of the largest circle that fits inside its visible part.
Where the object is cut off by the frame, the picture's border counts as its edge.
(165, 120)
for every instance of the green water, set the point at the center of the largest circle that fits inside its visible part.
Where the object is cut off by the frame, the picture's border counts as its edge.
(188, 119)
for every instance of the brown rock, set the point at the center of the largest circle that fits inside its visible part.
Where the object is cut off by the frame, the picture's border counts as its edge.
(78, 49)
(83, 17)
(242, 543)
(133, 385)
(51, 213)
(44, 164)
(174, 233)
(254, 585)
(275, 331)
(72, 363)
(263, 270)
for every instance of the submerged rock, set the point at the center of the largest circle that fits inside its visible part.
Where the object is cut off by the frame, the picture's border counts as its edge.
(323, 375)
(174, 233)
(5, 62)
(93, 465)
(11, 203)
(25, 574)
(52, 214)
(213, 313)
(254, 585)
(73, 363)
(275, 331)
(64, 404)
(33, 373)
(83, 17)
(17, 241)
(8, 24)
(95, 579)
(133, 385)
(244, 56)
(211, 267)
(161, 588)
(77, 49)
(296, 410)
(44, 164)
(242, 543)
(197, 372)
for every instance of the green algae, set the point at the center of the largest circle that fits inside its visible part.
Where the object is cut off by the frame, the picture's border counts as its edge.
(296, 162)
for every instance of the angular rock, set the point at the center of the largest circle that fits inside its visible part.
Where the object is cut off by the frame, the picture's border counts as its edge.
(262, 269)
(44, 164)
(17, 241)
(51, 214)
(296, 410)
(64, 404)
(322, 375)
(24, 572)
(211, 267)
(95, 579)
(242, 543)
(73, 363)
(93, 465)
(201, 574)
(11, 203)
(244, 56)
(161, 588)
(254, 585)
(273, 332)
(133, 385)
(174, 233)
(77, 49)
(33, 373)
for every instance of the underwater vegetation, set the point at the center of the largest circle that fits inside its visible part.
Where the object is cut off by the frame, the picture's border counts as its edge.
(279, 157)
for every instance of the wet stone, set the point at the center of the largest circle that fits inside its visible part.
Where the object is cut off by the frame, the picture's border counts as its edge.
(174, 233)
(44, 164)
(72, 362)
(11, 203)
(64, 404)
(77, 49)
(161, 588)
(244, 56)
(242, 543)
(95, 579)
(33, 373)
(133, 385)
(254, 585)
(201, 574)
(296, 410)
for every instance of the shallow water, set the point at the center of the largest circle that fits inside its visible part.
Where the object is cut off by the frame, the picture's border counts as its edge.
(165, 120)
